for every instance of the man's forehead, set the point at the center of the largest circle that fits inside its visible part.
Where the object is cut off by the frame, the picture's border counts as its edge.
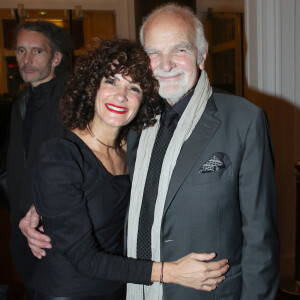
(34, 38)
(168, 42)
(170, 48)
(172, 28)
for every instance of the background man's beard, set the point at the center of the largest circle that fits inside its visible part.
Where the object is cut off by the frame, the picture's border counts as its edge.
(39, 73)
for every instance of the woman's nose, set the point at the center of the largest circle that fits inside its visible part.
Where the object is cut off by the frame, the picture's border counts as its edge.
(121, 95)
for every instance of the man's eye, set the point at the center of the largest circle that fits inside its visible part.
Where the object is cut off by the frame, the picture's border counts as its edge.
(38, 51)
(20, 50)
(180, 50)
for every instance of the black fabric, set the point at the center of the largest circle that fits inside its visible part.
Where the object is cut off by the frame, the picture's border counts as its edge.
(182, 104)
(164, 135)
(21, 253)
(4, 289)
(118, 295)
(179, 107)
(83, 208)
(46, 125)
(28, 122)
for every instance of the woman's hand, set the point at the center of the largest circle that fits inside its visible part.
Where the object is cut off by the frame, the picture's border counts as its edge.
(29, 228)
(195, 271)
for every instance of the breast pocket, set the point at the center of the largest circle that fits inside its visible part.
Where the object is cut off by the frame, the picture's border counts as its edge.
(212, 177)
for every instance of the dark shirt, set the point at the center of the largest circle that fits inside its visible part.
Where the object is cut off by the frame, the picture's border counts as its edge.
(35, 102)
(43, 124)
(83, 208)
(28, 121)
(180, 106)
(29, 129)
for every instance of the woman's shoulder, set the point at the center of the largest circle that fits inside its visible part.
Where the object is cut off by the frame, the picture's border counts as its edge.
(63, 148)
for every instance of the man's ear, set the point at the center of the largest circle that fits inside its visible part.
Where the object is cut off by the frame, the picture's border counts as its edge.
(201, 65)
(56, 59)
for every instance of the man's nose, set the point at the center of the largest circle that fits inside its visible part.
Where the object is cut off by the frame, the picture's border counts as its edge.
(27, 58)
(166, 63)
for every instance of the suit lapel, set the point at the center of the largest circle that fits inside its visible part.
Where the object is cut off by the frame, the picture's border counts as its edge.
(192, 149)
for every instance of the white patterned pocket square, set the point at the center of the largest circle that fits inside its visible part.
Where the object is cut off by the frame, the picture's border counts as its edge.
(217, 162)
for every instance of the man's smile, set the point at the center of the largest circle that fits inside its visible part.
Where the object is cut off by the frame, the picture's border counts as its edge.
(168, 77)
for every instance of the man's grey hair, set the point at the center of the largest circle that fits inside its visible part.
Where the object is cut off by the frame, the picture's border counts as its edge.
(186, 13)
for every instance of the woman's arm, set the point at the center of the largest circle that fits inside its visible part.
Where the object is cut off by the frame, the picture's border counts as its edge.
(59, 198)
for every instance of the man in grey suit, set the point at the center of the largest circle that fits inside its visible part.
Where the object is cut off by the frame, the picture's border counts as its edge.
(216, 190)
(213, 187)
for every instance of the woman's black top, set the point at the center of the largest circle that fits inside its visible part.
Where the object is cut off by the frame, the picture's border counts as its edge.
(83, 208)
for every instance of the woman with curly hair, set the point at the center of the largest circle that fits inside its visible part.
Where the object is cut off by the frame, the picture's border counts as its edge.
(81, 185)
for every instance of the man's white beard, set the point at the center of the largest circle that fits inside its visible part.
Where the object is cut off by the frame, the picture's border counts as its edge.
(172, 91)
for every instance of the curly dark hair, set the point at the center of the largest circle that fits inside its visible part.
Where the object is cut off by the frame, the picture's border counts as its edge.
(106, 59)
(59, 40)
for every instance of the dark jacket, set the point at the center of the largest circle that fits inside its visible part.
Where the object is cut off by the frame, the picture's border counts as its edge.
(46, 126)
(83, 208)
(230, 210)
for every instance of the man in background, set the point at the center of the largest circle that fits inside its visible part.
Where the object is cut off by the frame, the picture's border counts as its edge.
(43, 52)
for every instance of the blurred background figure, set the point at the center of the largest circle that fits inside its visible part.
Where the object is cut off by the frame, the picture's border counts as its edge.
(42, 52)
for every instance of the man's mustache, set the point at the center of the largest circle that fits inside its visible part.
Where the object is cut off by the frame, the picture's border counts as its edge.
(29, 68)
(172, 73)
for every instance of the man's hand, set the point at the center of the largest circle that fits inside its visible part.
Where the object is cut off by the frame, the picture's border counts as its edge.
(36, 240)
(195, 272)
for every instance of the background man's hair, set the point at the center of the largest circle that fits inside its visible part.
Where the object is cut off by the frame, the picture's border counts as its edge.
(59, 39)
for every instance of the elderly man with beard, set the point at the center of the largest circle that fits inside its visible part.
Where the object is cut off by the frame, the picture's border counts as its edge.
(213, 189)
(42, 51)
(202, 176)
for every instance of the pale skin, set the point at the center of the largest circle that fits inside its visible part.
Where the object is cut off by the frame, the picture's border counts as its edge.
(173, 55)
(36, 62)
(167, 49)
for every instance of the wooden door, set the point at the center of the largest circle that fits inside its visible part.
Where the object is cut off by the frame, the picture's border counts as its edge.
(224, 32)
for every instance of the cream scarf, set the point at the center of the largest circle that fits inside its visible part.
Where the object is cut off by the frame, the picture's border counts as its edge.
(185, 127)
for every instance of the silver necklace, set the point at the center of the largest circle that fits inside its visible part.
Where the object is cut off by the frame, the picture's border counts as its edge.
(96, 139)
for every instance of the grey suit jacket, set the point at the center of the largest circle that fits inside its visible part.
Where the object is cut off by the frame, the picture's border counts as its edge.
(230, 210)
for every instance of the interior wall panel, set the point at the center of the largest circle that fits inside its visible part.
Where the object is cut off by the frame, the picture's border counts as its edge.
(273, 79)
